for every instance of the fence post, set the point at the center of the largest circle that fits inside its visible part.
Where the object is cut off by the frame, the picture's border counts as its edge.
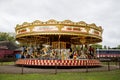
(55, 68)
(108, 66)
(14, 61)
(119, 62)
(1, 61)
(86, 67)
(22, 70)
(116, 60)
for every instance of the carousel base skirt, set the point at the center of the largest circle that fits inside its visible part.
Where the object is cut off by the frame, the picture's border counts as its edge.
(59, 63)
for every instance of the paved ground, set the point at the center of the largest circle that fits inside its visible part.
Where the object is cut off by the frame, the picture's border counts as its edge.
(12, 69)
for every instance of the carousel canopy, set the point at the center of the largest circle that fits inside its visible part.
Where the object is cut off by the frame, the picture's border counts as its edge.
(52, 31)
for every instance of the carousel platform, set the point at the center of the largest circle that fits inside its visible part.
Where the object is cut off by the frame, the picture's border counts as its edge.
(59, 63)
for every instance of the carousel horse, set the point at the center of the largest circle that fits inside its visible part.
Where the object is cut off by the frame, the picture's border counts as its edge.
(83, 55)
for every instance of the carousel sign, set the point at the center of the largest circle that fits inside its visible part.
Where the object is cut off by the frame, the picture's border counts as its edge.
(24, 30)
(45, 28)
(74, 29)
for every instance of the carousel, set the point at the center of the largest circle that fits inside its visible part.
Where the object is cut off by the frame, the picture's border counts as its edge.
(58, 43)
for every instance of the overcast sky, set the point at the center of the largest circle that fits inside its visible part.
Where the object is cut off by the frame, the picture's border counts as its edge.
(105, 13)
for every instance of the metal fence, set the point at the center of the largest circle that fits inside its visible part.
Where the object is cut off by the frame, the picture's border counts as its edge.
(107, 65)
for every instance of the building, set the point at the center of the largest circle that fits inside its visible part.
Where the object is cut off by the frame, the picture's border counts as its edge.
(7, 49)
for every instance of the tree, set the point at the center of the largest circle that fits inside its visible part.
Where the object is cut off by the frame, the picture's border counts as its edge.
(105, 47)
(6, 37)
(97, 46)
(118, 46)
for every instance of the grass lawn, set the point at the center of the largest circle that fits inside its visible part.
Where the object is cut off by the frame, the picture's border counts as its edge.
(7, 63)
(111, 63)
(109, 75)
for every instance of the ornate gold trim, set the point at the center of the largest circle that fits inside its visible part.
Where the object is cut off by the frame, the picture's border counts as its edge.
(74, 29)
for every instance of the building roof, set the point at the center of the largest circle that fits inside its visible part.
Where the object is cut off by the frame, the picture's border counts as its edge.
(8, 45)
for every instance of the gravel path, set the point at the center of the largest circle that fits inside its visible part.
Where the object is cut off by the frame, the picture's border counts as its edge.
(12, 69)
